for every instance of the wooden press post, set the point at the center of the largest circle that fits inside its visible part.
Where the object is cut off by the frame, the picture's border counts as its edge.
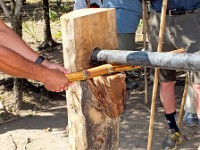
(93, 105)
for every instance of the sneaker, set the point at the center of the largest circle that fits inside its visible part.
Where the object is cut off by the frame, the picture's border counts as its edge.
(190, 119)
(171, 140)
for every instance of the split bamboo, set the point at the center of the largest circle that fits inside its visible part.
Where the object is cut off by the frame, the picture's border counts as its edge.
(98, 71)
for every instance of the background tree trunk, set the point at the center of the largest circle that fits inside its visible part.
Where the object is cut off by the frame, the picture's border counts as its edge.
(58, 2)
(48, 40)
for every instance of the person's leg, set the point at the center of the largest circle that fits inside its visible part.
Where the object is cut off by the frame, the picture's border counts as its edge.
(187, 36)
(196, 88)
(195, 80)
(167, 96)
(126, 41)
(190, 117)
(168, 99)
(189, 103)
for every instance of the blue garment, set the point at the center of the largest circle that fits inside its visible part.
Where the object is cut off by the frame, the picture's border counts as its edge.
(128, 14)
(176, 4)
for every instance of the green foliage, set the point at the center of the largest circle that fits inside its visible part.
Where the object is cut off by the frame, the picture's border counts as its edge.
(57, 35)
(30, 30)
(66, 7)
(53, 15)
(140, 23)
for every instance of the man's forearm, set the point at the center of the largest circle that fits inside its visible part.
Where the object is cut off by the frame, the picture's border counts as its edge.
(15, 65)
(17, 59)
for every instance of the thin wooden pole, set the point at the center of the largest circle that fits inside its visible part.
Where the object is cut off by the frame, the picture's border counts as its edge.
(183, 102)
(147, 21)
(144, 9)
(98, 71)
(156, 76)
(88, 3)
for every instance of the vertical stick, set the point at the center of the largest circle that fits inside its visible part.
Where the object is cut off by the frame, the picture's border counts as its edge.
(144, 7)
(156, 76)
(147, 21)
(88, 3)
(183, 102)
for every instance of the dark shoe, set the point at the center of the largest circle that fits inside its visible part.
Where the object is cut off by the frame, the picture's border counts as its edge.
(171, 140)
(190, 119)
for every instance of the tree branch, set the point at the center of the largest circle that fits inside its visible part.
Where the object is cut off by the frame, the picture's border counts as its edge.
(18, 8)
(5, 9)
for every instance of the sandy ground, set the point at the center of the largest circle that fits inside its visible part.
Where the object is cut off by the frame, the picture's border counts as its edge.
(46, 130)
(134, 124)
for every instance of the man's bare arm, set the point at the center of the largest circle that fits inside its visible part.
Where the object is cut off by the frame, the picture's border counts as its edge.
(16, 65)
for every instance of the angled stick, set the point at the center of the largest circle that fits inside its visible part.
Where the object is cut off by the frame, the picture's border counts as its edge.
(144, 9)
(183, 102)
(88, 3)
(156, 76)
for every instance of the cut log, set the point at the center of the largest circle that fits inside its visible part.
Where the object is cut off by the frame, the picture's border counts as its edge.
(93, 105)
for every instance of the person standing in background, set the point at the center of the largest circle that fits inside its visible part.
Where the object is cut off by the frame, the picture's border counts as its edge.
(182, 30)
(128, 15)
(190, 117)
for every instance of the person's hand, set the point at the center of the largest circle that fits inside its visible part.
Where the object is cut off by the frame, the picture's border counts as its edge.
(55, 66)
(56, 81)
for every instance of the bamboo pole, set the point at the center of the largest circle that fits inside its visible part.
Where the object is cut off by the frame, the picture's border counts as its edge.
(144, 9)
(98, 71)
(156, 76)
(183, 102)
(88, 3)
(147, 22)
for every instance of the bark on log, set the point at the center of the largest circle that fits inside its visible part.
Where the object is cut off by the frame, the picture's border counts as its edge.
(93, 105)
(176, 61)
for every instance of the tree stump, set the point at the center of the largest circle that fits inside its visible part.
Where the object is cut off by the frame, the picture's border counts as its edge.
(94, 105)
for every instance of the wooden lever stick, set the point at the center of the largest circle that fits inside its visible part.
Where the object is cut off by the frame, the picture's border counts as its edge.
(144, 9)
(156, 75)
(98, 71)
(183, 102)
(88, 3)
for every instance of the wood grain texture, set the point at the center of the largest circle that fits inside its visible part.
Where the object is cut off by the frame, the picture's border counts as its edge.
(93, 105)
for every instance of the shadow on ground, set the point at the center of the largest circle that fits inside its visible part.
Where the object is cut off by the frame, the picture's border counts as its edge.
(134, 123)
(41, 130)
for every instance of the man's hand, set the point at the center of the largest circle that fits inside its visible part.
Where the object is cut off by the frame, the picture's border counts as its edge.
(56, 81)
(60, 82)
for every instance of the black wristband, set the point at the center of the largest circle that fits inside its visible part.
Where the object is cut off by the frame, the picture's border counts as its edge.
(39, 60)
